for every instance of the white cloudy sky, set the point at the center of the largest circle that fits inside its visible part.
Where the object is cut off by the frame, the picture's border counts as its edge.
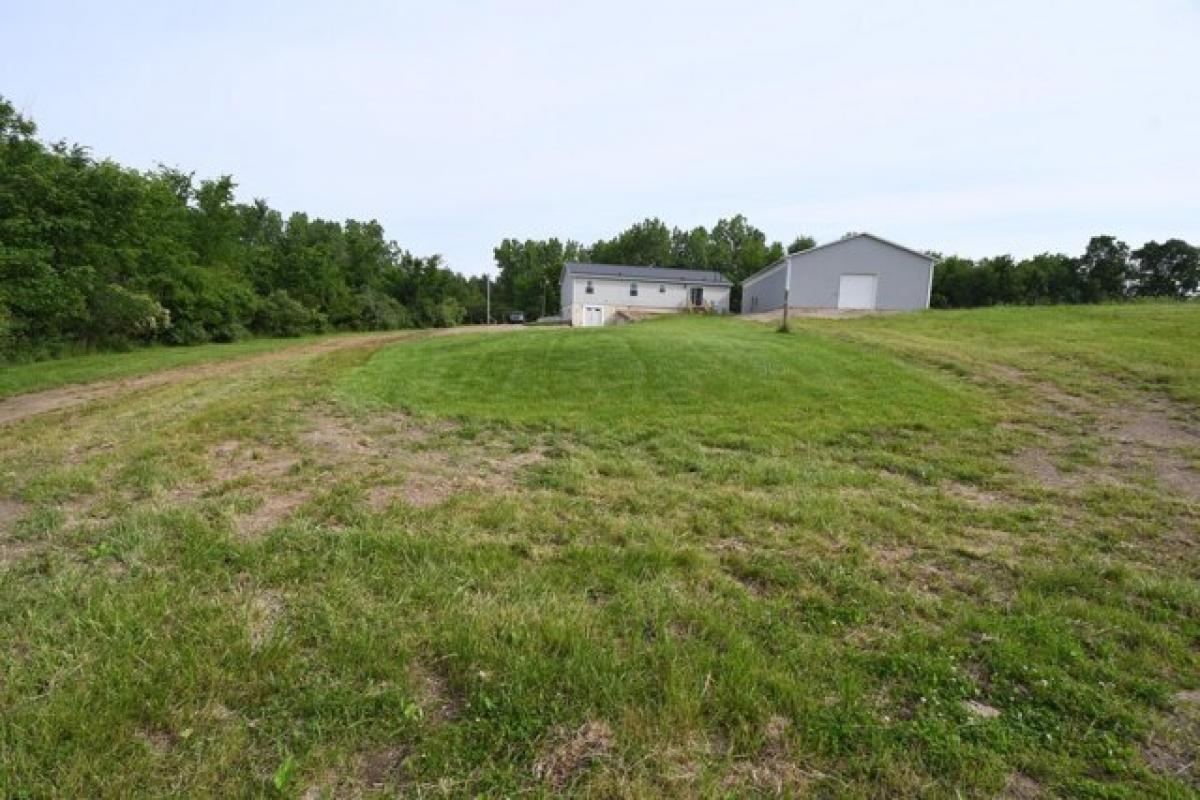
(956, 125)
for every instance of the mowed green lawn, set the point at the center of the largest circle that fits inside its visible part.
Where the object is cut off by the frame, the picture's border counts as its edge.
(706, 380)
(944, 554)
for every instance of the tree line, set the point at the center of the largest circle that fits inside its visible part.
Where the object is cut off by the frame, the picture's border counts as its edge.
(96, 255)
(1108, 270)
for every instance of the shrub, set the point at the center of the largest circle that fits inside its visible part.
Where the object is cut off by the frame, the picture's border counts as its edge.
(280, 314)
(445, 313)
(6, 331)
(118, 316)
(207, 304)
(380, 312)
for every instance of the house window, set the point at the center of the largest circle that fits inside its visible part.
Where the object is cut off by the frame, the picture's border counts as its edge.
(662, 288)
(590, 289)
(633, 288)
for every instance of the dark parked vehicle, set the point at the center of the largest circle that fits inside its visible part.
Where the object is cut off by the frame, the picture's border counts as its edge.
(516, 318)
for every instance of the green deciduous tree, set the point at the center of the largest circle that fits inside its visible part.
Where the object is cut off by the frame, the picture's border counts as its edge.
(800, 244)
(529, 276)
(1105, 269)
(1170, 269)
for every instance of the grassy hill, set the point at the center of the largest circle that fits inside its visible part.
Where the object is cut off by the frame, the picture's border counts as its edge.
(940, 554)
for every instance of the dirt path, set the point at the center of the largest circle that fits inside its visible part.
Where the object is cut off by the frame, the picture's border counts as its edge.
(23, 406)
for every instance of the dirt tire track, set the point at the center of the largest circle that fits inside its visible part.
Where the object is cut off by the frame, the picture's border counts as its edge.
(23, 406)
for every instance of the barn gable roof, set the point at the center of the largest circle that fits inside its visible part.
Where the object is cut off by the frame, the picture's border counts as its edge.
(787, 259)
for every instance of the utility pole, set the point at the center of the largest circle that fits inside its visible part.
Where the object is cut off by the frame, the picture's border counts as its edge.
(545, 285)
(487, 281)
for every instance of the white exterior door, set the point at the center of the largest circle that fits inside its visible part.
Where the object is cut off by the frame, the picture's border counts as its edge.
(593, 316)
(857, 292)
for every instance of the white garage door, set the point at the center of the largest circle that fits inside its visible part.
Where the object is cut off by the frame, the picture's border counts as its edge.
(857, 291)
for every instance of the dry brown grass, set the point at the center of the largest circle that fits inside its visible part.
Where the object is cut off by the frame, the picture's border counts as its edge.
(1173, 747)
(1021, 787)
(570, 753)
(263, 613)
(414, 462)
(773, 770)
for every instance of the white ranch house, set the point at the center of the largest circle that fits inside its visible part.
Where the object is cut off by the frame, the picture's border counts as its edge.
(596, 294)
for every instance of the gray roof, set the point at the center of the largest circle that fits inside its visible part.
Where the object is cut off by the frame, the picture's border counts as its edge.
(670, 274)
(787, 258)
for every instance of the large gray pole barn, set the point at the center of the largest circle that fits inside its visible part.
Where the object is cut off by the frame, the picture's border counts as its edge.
(858, 273)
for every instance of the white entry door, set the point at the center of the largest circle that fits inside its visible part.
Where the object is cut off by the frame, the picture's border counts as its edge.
(593, 316)
(857, 291)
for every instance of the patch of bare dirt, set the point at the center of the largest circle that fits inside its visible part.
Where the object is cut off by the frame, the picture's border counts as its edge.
(256, 465)
(1157, 424)
(754, 585)
(1038, 464)
(338, 437)
(891, 556)
(987, 544)
(12, 550)
(1155, 436)
(1069, 403)
(434, 696)
(418, 491)
(433, 477)
(1047, 392)
(274, 509)
(1173, 748)
(418, 473)
(233, 460)
(391, 452)
(683, 762)
(1021, 787)
(24, 406)
(774, 770)
(11, 512)
(80, 451)
(980, 710)
(1177, 475)
(1150, 434)
(570, 753)
(973, 495)
(728, 545)
(263, 616)
(926, 578)
(160, 740)
(367, 775)
(382, 768)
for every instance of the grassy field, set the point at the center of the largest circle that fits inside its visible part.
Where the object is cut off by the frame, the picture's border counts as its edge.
(39, 375)
(945, 554)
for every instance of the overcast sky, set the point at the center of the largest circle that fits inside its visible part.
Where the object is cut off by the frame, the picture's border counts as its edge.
(965, 127)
